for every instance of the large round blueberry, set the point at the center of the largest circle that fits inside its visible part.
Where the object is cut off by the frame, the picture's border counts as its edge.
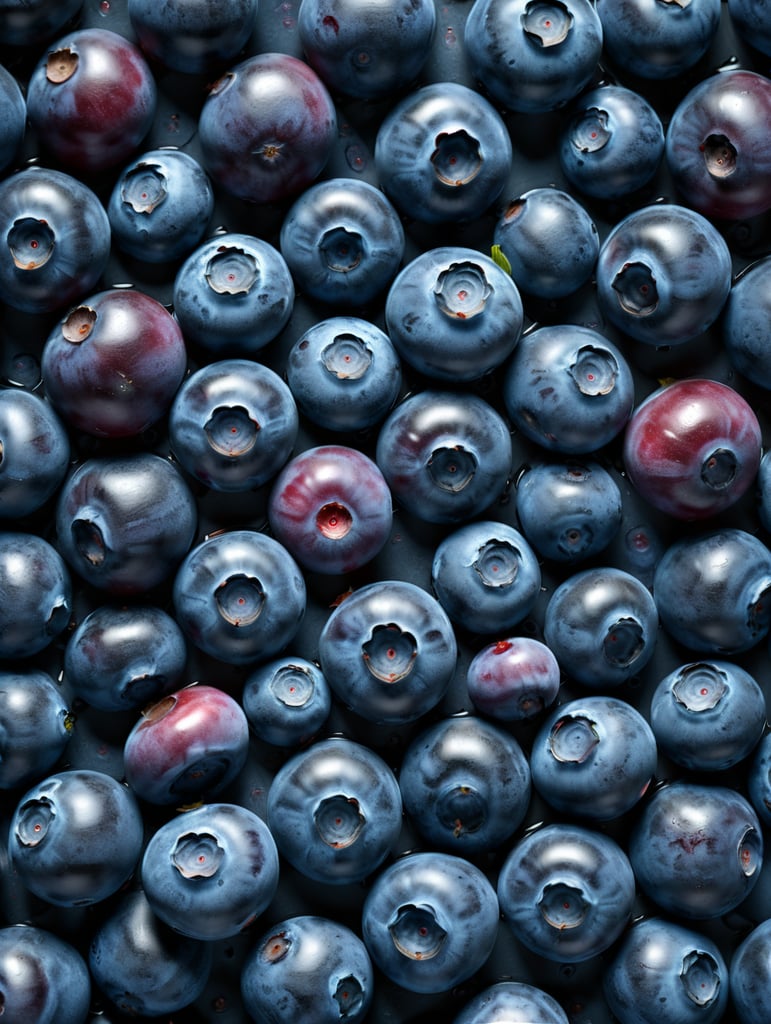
(430, 921)
(42, 978)
(335, 811)
(35, 726)
(286, 701)
(511, 1002)
(13, 118)
(389, 651)
(513, 679)
(750, 974)
(34, 452)
(35, 594)
(746, 313)
(759, 779)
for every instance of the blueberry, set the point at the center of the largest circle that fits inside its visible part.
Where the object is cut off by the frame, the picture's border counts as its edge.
(29, 23)
(210, 872)
(389, 651)
(486, 576)
(75, 837)
(568, 388)
(443, 154)
(286, 701)
(142, 966)
(594, 757)
(42, 977)
(513, 679)
(35, 452)
(747, 310)
(748, 18)
(750, 974)
(343, 241)
(445, 455)
(35, 726)
(567, 892)
(697, 850)
(13, 118)
(335, 811)
(708, 715)
(454, 314)
(685, 976)
(511, 1002)
(344, 373)
(233, 424)
(310, 968)
(466, 785)
(602, 626)
(430, 921)
(35, 594)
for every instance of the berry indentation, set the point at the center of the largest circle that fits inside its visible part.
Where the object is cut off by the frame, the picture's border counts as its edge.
(700, 977)
(416, 933)
(334, 521)
(144, 188)
(700, 687)
(563, 906)
(240, 599)
(547, 22)
(34, 821)
(79, 324)
(231, 431)
(30, 242)
(461, 809)
(573, 738)
(349, 996)
(590, 132)
(462, 290)
(341, 250)
(719, 156)
(61, 65)
(635, 286)
(292, 685)
(197, 855)
(231, 271)
(457, 158)
(389, 653)
(719, 469)
(347, 357)
(497, 563)
(452, 469)
(623, 643)
(594, 371)
(339, 820)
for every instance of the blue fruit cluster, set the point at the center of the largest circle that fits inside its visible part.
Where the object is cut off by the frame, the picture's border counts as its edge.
(385, 512)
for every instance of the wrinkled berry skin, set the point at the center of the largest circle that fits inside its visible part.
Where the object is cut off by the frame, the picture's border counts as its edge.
(466, 785)
(443, 154)
(13, 118)
(716, 149)
(35, 452)
(56, 240)
(692, 448)
(286, 701)
(759, 779)
(331, 508)
(708, 716)
(750, 974)
(43, 979)
(160, 206)
(343, 241)
(511, 1002)
(92, 99)
(267, 128)
(445, 455)
(430, 921)
(663, 274)
(26, 23)
(142, 966)
(747, 311)
(685, 971)
(75, 837)
(233, 295)
(121, 658)
(514, 679)
(567, 892)
(601, 624)
(35, 594)
(209, 872)
(568, 388)
(35, 726)
(569, 511)
(486, 577)
(712, 591)
(613, 143)
(454, 314)
(124, 523)
(113, 364)
(335, 811)
(371, 51)
(550, 242)
(533, 57)
(657, 40)
(239, 596)
(389, 651)
(697, 850)
(311, 969)
(344, 373)
(594, 758)
(187, 746)
(192, 36)
(233, 424)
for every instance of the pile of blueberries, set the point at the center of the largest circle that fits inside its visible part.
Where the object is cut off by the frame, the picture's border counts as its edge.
(385, 518)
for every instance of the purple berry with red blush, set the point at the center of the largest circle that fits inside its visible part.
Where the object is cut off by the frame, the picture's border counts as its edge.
(514, 679)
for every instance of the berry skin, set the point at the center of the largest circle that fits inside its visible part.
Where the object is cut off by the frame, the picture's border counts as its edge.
(513, 679)
(42, 977)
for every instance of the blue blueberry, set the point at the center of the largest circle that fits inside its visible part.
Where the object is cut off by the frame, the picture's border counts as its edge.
(13, 118)
(748, 18)
(335, 811)
(486, 576)
(511, 1002)
(569, 511)
(747, 310)
(35, 452)
(344, 373)
(343, 241)
(29, 23)
(42, 978)
(759, 779)
(708, 715)
(750, 975)
(567, 892)
(443, 154)
(445, 455)
(594, 757)
(453, 314)
(389, 651)
(763, 482)
(210, 872)
(602, 625)
(308, 968)
(568, 388)
(430, 921)
(466, 785)
(35, 726)
(286, 701)
(233, 424)
(35, 594)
